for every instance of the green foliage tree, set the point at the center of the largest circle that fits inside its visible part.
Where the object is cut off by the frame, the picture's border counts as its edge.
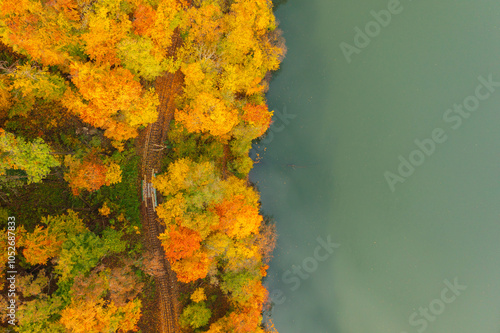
(197, 147)
(82, 252)
(235, 283)
(190, 189)
(39, 315)
(137, 56)
(195, 315)
(46, 241)
(35, 157)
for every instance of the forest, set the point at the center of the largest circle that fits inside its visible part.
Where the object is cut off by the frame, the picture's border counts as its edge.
(82, 83)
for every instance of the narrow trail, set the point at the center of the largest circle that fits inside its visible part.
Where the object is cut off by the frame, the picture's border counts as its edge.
(151, 145)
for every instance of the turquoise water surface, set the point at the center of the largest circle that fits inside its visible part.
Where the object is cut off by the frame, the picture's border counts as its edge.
(388, 148)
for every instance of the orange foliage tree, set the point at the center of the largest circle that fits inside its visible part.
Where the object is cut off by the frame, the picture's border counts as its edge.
(117, 101)
(258, 117)
(192, 268)
(237, 218)
(180, 242)
(90, 173)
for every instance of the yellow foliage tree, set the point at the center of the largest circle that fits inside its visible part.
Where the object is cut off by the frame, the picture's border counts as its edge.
(198, 295)
(105, 210)
(96, 316)
(208, 114)
(113, 174)
(107, 26)
(190, 189)
(116, 101)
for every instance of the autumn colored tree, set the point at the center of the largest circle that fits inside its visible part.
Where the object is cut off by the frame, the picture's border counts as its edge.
(34, 157)
(138, 56)
(41, 245)
(30, 285)
(90, 173)
(145, 54)
(158, 23)
(237, 218)
(92, 287)
(258, 117)
(84, 316)
(80, 253)
(37, 315)
(267, 241)
(246, 316)
(192, 268)
(217, 244)
(121, 312)
(239, 196)
(116, 101)
(180, 242)
(208, 113)
(248, 53)
(123, 283)
(26, 84)
(198, 147)
(45, 242)
(190, 189)
(198, 295)
(243, 255)
(237, 284)
(108, 24)
(224, 63)
(41, 30)
(113, 174)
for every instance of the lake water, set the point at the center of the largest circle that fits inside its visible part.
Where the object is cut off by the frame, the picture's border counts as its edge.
(415, 249)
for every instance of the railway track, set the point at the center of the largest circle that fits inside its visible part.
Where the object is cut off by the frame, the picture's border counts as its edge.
(167, 87)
